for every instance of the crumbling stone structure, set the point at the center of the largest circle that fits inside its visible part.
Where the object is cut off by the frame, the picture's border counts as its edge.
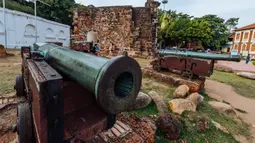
(129, 28)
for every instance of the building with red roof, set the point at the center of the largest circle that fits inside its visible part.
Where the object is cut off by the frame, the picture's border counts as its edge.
(244, 39)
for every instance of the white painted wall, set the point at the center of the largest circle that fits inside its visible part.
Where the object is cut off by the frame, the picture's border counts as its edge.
(21, 30)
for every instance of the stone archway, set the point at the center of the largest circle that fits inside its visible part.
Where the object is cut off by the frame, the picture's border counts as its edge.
(30, 34)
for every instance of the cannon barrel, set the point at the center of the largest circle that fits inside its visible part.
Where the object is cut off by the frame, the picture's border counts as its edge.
(210, 56)
(114, 82)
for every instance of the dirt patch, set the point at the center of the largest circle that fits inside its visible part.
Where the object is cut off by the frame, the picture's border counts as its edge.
(228, 94)
(143, 62)
(237, 66)
(164, 90)
(148, 82)
(8, 117)
(10, 67)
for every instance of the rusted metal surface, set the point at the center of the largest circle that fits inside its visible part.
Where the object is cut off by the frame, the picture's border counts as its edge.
(74, 97)
(48, 72)
(186, 66)
(63, 109)
(189, 64)
(83, 120)
(85, 123)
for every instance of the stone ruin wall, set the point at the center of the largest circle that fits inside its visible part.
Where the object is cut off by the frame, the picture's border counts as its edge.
(128, 27)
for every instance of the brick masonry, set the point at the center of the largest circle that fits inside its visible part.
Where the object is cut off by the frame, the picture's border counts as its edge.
(129, 28)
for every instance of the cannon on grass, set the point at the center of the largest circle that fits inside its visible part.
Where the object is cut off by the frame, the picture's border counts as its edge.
(189, 64)
(70, 95)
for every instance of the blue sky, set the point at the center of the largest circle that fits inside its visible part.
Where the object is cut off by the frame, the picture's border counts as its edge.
(244, 9)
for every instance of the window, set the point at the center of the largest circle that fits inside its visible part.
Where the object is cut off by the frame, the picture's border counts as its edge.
(62, 35)
(30, 30)
(252, 48)
(244, 47)
(238, 36)
(253, 37)
(49, 34)
(236, 47)
(246, 35)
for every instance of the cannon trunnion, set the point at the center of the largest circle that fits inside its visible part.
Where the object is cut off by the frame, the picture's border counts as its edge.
(65, 106)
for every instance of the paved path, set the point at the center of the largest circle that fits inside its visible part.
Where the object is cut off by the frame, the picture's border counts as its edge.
(221, 91)
(241, 66)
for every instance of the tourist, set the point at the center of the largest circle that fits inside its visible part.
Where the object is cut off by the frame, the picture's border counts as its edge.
(248, 58)
(97, 50)
(111, 49)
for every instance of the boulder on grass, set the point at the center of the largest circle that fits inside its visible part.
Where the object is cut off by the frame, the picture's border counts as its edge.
(180, 105)
(2, 51)
(181, 91)
(169, 126)
(142, 100)
(247, 75)
(161, 105)
(195, 98)
(223, 107)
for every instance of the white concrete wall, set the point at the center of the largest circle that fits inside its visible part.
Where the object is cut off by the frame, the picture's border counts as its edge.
(21, 30)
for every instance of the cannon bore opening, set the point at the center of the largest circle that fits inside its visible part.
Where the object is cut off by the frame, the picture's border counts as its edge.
(123, 85)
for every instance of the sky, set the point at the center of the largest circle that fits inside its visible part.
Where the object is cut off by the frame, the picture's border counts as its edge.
(243, 9)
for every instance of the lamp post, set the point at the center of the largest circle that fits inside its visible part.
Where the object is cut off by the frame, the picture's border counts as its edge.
(35, 12)
(164, 3)
(5, 31)
(35, 8)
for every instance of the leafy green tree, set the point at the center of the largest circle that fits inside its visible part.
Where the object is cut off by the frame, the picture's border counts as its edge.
(168, 21)
(198, 31)
(59, 10)
(177, 31)
(231, 23)
(219, 32)
(15, 5)
(177, 28)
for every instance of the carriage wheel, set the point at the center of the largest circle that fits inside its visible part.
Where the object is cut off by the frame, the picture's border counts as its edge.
(157, 67)
(24, 123)
(19, 86)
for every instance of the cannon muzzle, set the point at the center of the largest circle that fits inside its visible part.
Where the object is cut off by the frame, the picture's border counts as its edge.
(114, 82)
(209, 56)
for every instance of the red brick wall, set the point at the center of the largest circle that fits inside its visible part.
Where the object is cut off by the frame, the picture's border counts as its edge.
(126, 26)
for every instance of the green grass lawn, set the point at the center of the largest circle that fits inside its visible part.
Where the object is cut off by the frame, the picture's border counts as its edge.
(243, 86)
(9, 68)
(189, 120)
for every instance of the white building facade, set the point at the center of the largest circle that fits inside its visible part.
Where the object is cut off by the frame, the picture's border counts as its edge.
(21, 30)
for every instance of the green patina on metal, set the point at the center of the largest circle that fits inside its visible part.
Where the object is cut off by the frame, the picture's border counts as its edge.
(210, 56)
(115, 82)
(84, 68)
